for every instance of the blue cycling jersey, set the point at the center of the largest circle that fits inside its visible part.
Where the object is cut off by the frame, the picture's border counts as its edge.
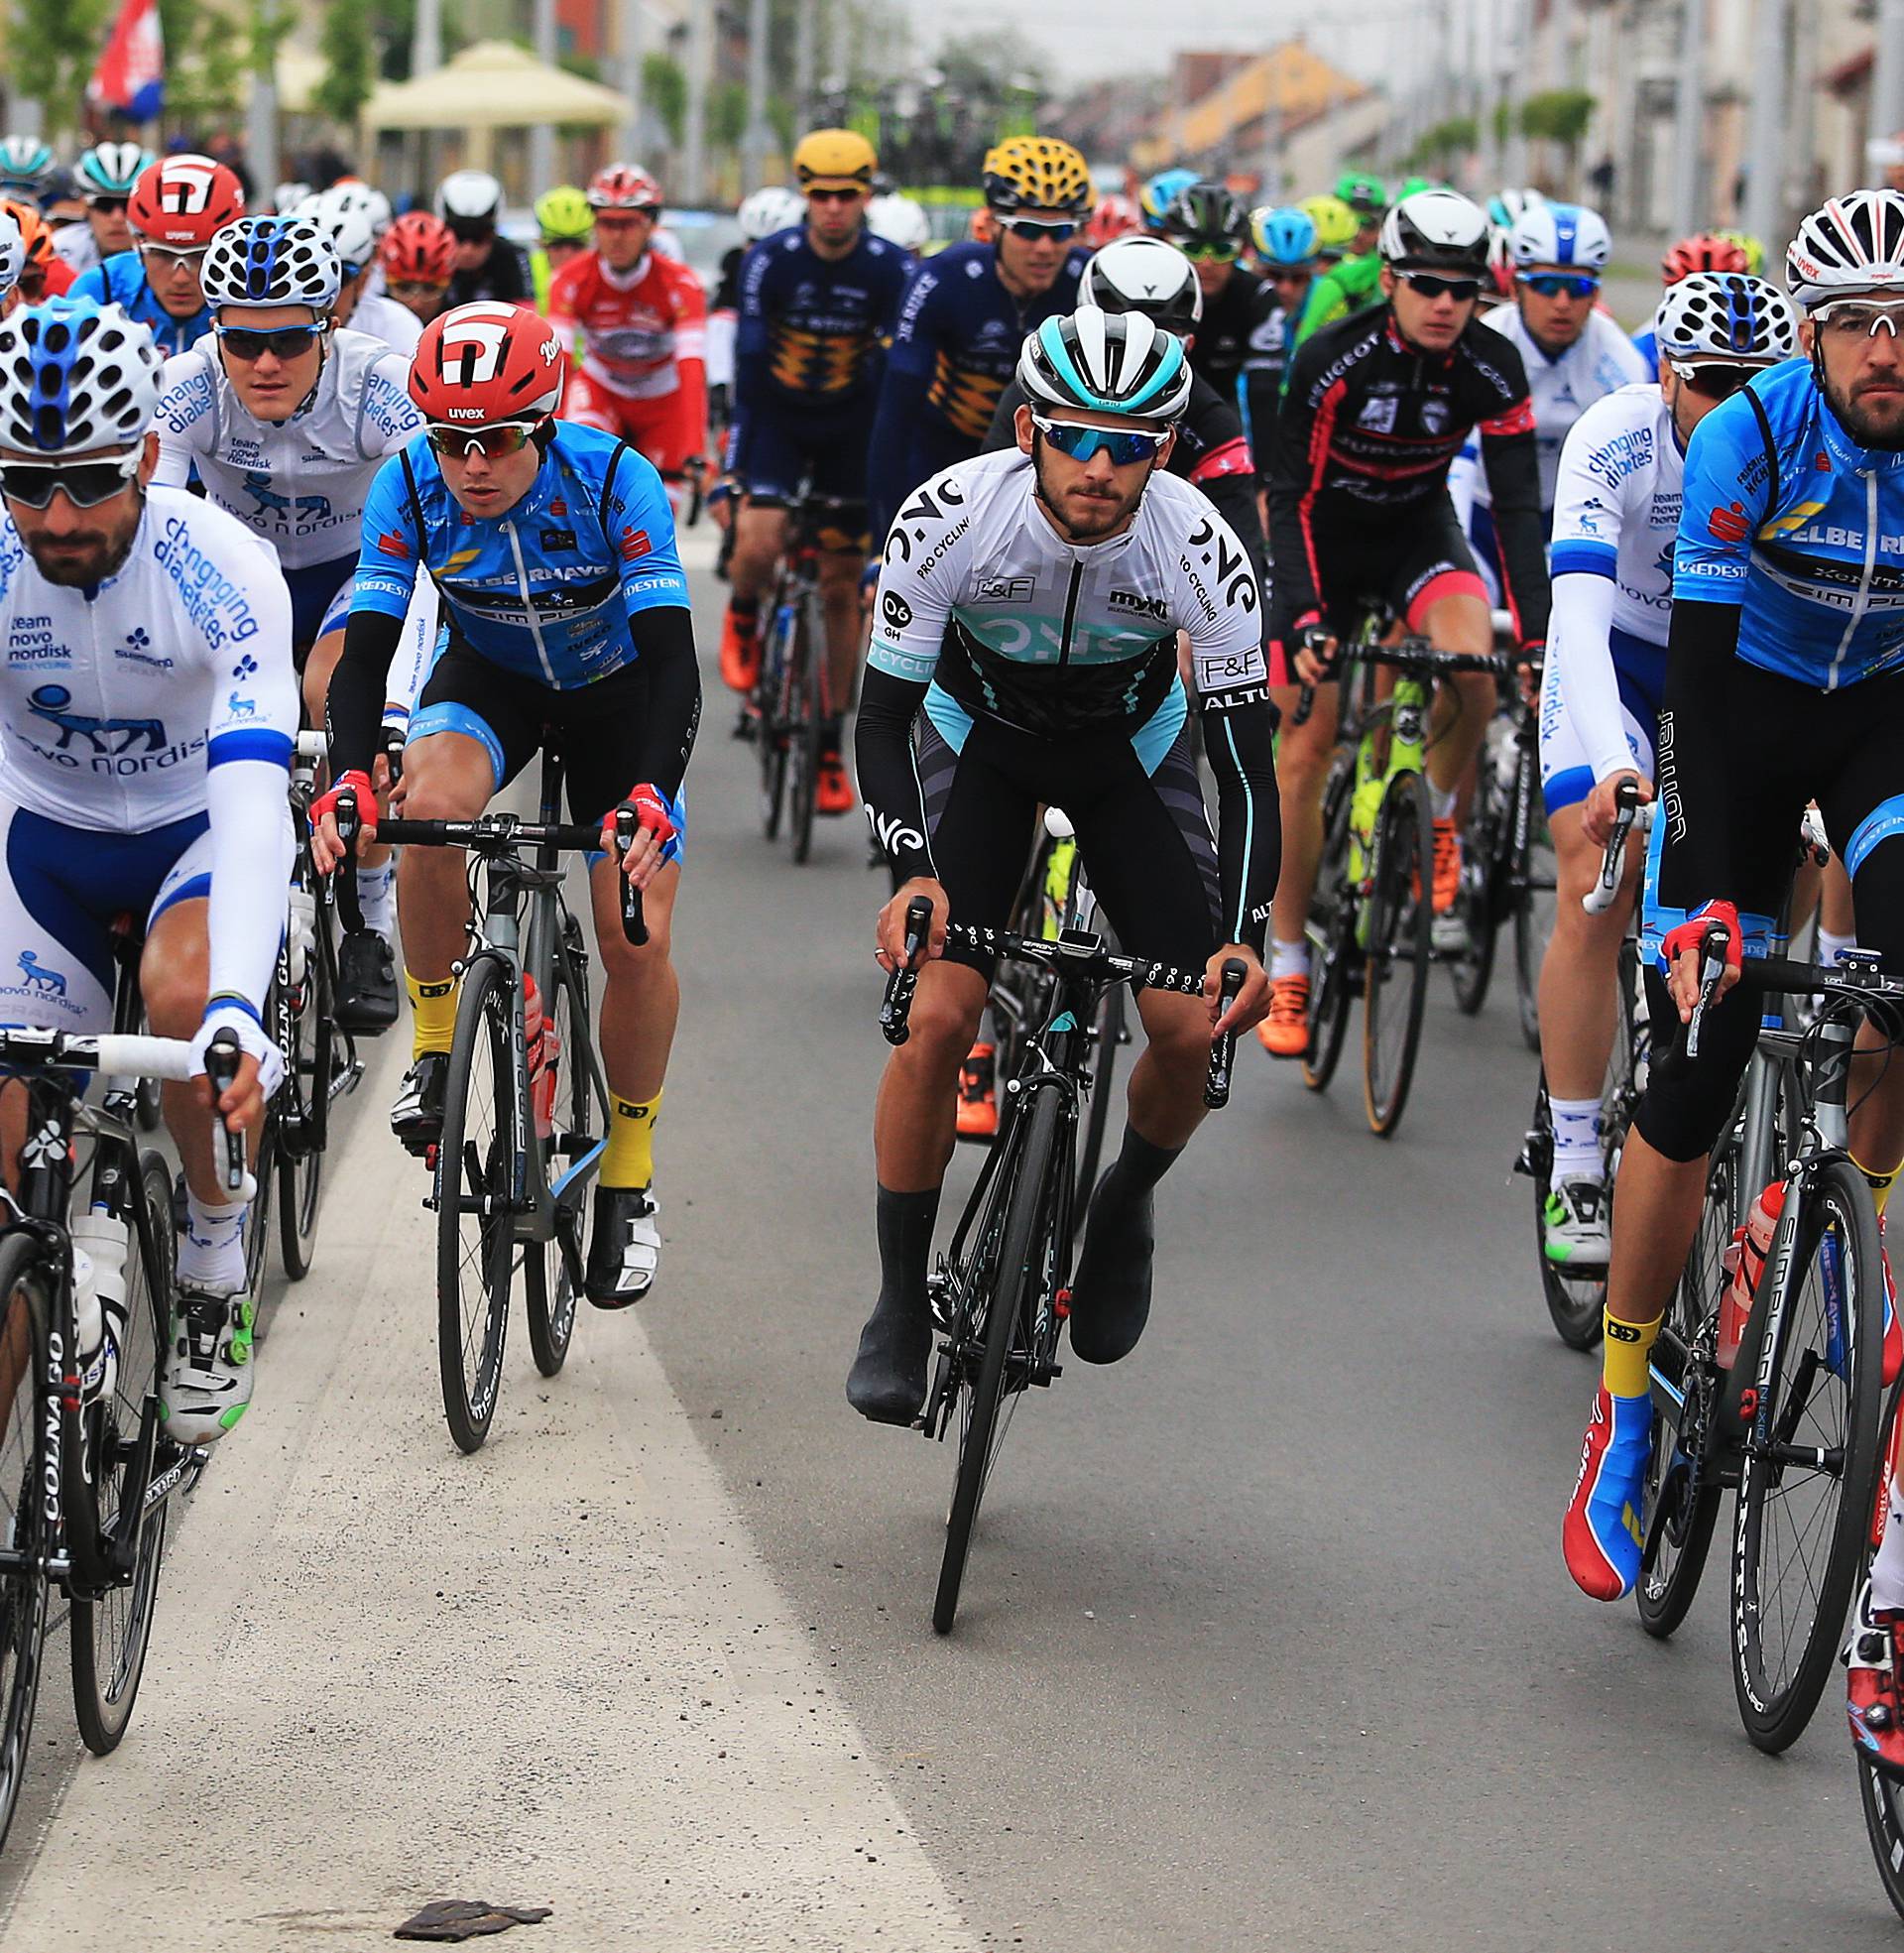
(546, 590)
(121, 281)
(1784, 517)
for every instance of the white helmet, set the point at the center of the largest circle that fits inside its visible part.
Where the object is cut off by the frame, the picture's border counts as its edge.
(288, 196)
(272, 261)
(346, 221)
(769, 209)
(470, 195)
(1435, 231)
(13, 254)
(352, 195)
(1106, 363)
(900, 220)
(1141, 272)
(1565, 234)
(1853, 244)
(75, 377)
(1725, 316)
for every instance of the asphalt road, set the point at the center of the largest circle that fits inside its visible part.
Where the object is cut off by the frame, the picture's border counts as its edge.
(1265, 1642)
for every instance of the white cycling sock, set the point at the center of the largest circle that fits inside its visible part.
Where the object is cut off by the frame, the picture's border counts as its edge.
(1289, 958)
(1887, 1569)
(213, 1254)
(374, 887)
(1440, 804)
(1576, 1137)
(1829, 945)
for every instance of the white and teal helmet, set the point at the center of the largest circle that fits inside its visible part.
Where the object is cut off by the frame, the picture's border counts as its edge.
(25, 162)
(1102, 362)
(111, 169)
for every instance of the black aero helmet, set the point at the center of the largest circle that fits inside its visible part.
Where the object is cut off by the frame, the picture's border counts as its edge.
(1207, 214)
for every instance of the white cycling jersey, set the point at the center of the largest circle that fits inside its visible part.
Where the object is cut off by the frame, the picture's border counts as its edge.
(76, 245)
(379, 318)
(163, 693)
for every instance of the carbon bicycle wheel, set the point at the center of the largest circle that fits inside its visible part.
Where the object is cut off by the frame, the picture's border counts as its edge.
(1883, 1800)
(808, 721)
(307, 1087)
(23, 1587)
(1401, 917)
(259, 1228)
(776, 662)
(1478, 899)
(1331, 932)
(110, 1635)
(999, 1318)
(1806, 1486)
(548, 1295)
(475, 1230)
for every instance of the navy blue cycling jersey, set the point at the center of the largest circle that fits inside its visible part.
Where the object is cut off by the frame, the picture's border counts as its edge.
(812, 330)
(121, 281)
(955, 347)
(1786, 517)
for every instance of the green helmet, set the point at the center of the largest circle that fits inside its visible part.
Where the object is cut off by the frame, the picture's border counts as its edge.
(1336, 224)
(1366, 195)
(1753, 248)
(1412, 186)
(563, 214)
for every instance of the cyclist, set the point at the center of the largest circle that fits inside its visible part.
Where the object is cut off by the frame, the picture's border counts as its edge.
(637, 322)
(348, 214)
(966, 310)
(27, 167)
(146, 720)
(900, 220)
(47, 274)
(567, 222)
(1753, 248)
(1066, 692)
(486, 265)
(1782, 688)
(1374, 409)
(415, 258)
(175, 208)
(1336, 226)
(1368, 198)
(816, 304)
(1709, 251)
(1352, 284)
(1207, 223)
(552, 550)
(768, 211)
(1286, 249)
(106, 175)
(1616, 518)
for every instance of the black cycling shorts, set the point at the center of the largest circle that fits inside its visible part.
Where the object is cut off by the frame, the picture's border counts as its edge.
(1742, 752)
(1145, 838)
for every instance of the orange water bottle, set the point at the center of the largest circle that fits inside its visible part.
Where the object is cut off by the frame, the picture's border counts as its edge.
(1746, 1261)
(542, 1078)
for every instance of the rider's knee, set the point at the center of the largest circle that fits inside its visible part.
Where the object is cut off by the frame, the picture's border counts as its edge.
(175, 989)
(945, 1022)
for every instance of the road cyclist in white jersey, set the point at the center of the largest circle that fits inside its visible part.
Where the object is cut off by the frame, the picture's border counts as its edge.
(1026, 618)
(1616, 518)
(148, 706)
(356, 216)
(288, 420)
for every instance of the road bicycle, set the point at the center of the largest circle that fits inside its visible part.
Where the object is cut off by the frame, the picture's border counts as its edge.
(525, 1098)
(999, 1293)
(87, 1470)
(1372, 918)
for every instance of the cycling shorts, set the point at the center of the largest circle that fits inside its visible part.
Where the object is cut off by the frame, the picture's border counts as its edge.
(783, 452)
(62, 891)
(656, 429)
(594, 727)
(1566, 771)
(1410, 561)
(1742, 752)
(1144, 835)
(319, 602)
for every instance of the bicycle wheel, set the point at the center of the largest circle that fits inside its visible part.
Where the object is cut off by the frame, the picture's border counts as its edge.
(1331, 932)
(23, 1588)
(807, 720)
(1811, 1459)
(1106, 1035)
(475, 1230)
(775, 663)
(998, 1315)
(1476, 901)
(1401, 921)
(110, 1635)
(300, 1169)
(1574, 1297)
(548, 1295)
(1536, 900)
(1883, 1800)
(265, 1171)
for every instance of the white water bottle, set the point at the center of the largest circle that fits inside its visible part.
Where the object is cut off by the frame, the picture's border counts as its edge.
(99, 1244)
(301, 931)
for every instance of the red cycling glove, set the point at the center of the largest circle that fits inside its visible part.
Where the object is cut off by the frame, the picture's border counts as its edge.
(356, 783)
(1690, 935)
(651, 809)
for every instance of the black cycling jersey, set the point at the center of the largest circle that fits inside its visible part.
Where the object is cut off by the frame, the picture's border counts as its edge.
(727, 292)
(1369, 428)
(503, 276)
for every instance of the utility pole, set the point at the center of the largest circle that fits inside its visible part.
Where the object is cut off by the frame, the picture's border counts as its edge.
(700, 60)
(261, 117)
(427, 39)
(1764, 211)
(805, 36)
(1887, 74)
(758, 138)
(634, 29)
(542, 137)
(1688, 203)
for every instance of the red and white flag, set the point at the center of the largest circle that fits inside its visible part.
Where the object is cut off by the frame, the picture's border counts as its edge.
(131, 75)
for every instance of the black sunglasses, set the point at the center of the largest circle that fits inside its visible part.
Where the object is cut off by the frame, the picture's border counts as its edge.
(1060, 230)
(112, 206)
(288, 342)
(87, 484)
(1430, 287)
(471, 230)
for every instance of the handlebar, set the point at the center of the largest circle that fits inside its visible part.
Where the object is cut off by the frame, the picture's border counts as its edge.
(1631, 813)
(1410, 655)
(1713, 946)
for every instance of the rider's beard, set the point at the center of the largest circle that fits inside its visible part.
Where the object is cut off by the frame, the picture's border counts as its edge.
(1872, 421)
(82, 558)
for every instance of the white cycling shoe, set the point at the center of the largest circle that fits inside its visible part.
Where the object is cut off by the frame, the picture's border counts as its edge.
(625, 1250)
(208, 1369)
(1574, 1227)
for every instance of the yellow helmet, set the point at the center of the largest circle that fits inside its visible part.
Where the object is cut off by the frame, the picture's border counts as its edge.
(835, 158)
(1036, 173)
(1336, 223)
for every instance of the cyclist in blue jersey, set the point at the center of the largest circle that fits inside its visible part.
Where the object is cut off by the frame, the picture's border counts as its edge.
(817, 303)
(1784, 683)
(552, 550)
(176, 206)
(967, 311)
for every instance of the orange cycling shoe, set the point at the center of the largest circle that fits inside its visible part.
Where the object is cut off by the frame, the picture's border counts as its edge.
(978, 1101)
(740, 648)
(832, 790)
(1284, 1033)
(1447, 865)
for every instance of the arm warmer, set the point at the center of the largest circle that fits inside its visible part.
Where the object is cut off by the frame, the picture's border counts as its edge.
(1579, 644)
(358, 688)
(664, 638)
(1240, 741)
(1512, 462)
(888, 773)
(251, 855)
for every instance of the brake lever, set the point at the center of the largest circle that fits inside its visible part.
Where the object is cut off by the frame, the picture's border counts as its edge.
(221, 1068)
(1712, 973)
(1222, 1052)
(900, 984)
(634, 922)
(1599, 897)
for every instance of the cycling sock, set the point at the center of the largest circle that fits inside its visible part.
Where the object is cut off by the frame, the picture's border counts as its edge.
(1829, 945)
(1138, 1167)
(1880, 1184)
(1576, 1137)
(1288, 959)
(1623, 1367)
(213, 1254)
(433, 1008)
(904, 1226)
(630, 1158)
(374, 885)
(833, 737)
(1440, 804)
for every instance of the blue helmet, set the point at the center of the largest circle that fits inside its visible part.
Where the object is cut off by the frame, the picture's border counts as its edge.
(76, 376)
(1284, 237)
(1162, 191)
(272, 261)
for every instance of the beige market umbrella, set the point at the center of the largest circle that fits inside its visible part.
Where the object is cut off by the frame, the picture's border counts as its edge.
(493, 85)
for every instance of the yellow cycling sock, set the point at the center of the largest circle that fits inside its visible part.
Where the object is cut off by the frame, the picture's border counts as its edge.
(433, 1009)
(630, 1158)
(1623, 1363)
(1880, 1184)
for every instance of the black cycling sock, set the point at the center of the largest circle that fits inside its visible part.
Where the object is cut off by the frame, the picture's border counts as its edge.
(833, 734)
(1110, 1290)
(887, 1380)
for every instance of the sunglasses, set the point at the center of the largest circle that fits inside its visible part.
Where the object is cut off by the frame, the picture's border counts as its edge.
(418, 288)
(471, 230)
(1461, 290)
(85, 484)
(622, 219)
(1713, 377)
(288, 342)
(1559, 283)
(1223, 252)
(1859, 319)
(500, 437)
(111, 206)
(1125, 446)
(834, 195)
(1058, 229)
(162, 258)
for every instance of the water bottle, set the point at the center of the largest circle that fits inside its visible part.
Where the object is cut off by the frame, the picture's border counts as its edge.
(301, 931)
(1745, 1261)
(100, 1242)
(536, 1035)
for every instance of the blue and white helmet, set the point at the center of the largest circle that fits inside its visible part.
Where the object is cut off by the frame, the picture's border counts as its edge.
(1729, 316)
(111, 169)
(1283, 237)
(25, 164)
(1565, 234)
(1104, 362)
(75, 377)
(272, 261)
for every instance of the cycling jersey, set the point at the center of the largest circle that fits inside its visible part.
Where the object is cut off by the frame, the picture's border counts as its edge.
(76, 245)
(501, 276)
(810, 329)
(985, 614)
(379, 318)
(1646, 343)
(121, 281)
(1265, 361)
(1230, 322)
(1369, 428)
(299, 483)
(157, 701)
(1345, 288)
(955, 347)
(641, 332)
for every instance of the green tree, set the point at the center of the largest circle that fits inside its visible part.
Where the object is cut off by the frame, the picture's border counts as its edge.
(1443, 143)
(665, 91)
(54, 44)
(727, 114)
(1561, 116)
(350, 62)
(205, 63)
